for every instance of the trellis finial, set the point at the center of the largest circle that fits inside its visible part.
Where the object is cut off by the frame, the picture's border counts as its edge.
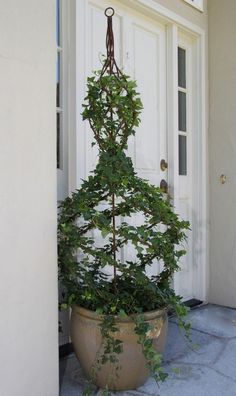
(110, 65)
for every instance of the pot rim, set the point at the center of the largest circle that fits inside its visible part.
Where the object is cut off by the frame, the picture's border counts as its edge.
(149, 315)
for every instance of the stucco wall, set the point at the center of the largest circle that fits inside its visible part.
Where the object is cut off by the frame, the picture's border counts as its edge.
(222, 146)
(28, 280)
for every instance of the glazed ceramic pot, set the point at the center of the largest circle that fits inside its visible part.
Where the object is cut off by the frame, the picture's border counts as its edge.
(86, 339)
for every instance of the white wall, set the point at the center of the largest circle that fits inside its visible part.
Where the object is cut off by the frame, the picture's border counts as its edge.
(28, 269)
(222, 145)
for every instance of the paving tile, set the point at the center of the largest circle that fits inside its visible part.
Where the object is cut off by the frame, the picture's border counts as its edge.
(226, 362)
(197, 380)
(150, 388)
(202, 347)
(214, 320)
(74, 380)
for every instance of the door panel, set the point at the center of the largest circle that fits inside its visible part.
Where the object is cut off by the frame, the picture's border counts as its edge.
(149, 144)
(147, 140)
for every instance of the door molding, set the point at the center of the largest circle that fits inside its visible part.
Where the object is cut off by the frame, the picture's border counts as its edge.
(165, 13)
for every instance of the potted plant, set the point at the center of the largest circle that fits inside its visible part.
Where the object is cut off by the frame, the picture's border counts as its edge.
(119, 314)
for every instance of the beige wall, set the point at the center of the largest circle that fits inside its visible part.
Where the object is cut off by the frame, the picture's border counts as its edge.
(28, 270)
(222, 146)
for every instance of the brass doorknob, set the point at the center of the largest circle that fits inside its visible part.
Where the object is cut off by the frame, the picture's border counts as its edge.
(163, 165)
(164, 186)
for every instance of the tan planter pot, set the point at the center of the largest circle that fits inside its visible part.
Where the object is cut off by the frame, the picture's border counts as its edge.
(86, 338)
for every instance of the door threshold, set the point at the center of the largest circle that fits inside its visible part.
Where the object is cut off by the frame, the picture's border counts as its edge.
(193, 303)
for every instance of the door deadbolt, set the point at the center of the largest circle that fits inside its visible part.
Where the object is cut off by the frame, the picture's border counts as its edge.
(223, 179)
(163, 165)
(164, 186)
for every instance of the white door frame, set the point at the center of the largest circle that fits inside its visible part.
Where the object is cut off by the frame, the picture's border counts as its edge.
(173, 22)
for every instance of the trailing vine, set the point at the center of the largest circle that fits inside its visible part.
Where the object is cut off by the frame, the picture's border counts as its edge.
(108, 352)
(153, 358)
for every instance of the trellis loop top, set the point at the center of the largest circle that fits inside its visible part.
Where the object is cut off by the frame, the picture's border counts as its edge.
(109, 12)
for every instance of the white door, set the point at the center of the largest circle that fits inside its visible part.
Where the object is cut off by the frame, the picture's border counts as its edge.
(141, 50)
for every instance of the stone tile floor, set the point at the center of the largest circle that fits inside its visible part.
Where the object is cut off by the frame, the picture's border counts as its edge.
(208, 370)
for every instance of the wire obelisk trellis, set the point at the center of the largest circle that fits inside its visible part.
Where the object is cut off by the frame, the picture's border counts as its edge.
(110, 67)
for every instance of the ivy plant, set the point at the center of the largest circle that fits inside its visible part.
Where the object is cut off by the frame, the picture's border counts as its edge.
(95, 229)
